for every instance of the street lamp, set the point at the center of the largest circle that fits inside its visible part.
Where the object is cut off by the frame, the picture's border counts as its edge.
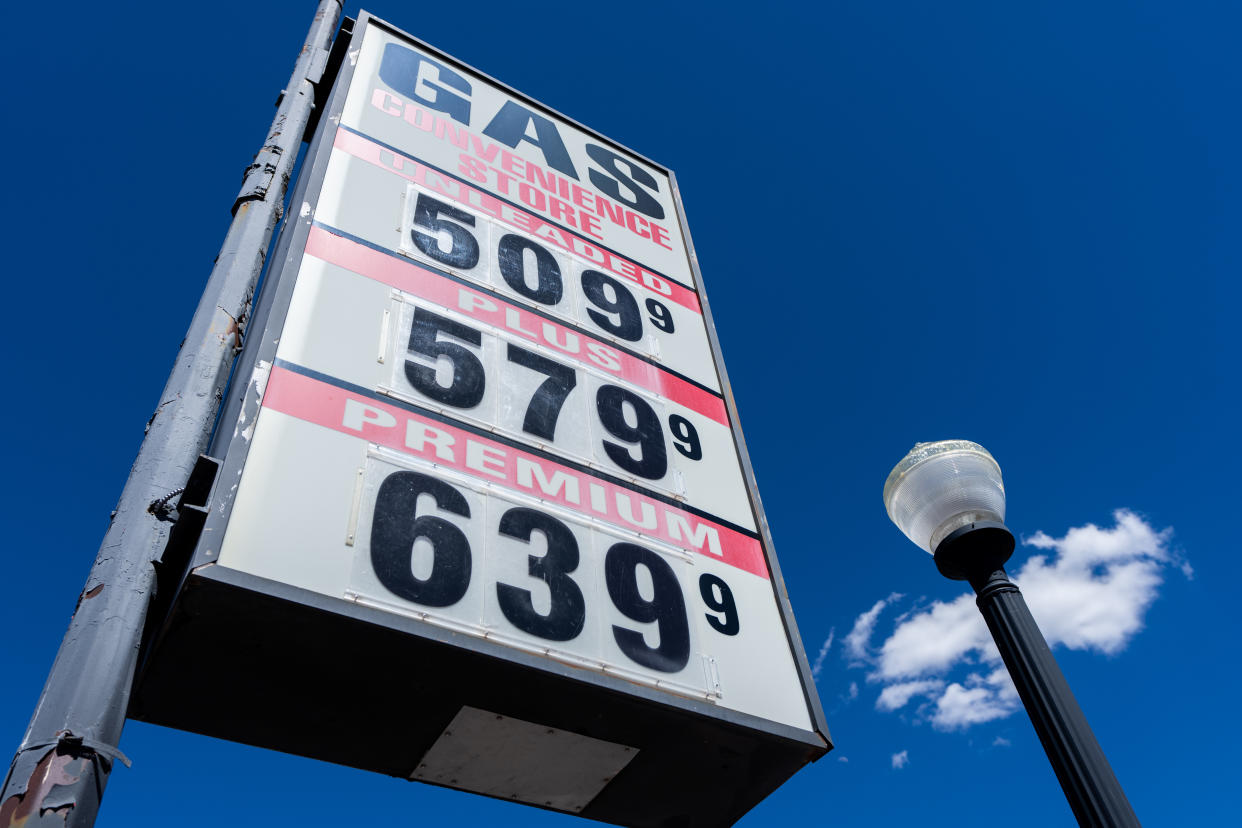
(949, 499)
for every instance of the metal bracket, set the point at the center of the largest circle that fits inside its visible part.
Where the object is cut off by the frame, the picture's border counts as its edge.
(258, 177)
(318, 63)
(327, 65)
(321, 74)
(70, 742)
(192, 510)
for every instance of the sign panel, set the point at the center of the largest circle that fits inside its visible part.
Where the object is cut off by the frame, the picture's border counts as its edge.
(488, 403)
(496, 356)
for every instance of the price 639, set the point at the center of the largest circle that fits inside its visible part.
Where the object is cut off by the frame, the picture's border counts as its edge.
(527, 393)
(536, 570)
(518, 264)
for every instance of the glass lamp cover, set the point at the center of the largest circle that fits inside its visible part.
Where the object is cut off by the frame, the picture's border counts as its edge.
(940, 487)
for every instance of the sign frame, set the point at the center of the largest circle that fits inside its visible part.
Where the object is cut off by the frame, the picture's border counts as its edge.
(202, 577)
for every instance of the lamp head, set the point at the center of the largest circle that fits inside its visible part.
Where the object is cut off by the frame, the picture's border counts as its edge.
(941, 487)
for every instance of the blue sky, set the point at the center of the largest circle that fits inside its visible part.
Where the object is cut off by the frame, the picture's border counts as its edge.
(1016, 226)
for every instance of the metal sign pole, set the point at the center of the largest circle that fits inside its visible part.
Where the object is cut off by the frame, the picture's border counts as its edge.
(58, 774)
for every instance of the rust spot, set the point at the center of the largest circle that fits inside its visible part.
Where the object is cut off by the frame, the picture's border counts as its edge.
(50, 773)
(88, 594)
(233, 331)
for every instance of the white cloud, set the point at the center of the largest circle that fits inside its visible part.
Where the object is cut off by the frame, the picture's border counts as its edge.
(1094, 595)
(853, 691)
(823, 653)
(984, 699)
(932, 641)
(858, 641)
(900, 760)
(1088, 546)
(843, 759)
(896, 696)
(1001, 741)
(1000, 681)
(961, 707)
(1090, 593)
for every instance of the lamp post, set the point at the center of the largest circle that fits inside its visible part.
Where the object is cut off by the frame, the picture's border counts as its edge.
(948, 497)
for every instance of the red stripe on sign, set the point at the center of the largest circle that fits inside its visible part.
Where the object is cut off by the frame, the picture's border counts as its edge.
(497, 464)
(491, 310)
(514, 217)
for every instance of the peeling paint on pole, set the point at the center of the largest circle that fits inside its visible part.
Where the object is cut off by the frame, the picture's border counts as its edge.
(48, 790)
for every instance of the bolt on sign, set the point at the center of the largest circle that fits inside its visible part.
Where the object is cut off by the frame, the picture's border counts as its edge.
(484, 517)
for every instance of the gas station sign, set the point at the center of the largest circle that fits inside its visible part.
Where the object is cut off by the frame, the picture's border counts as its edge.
(487, 425)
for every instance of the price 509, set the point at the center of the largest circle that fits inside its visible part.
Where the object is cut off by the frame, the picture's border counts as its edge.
(448, 236)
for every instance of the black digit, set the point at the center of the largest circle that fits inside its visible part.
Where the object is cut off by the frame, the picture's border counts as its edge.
(629, 322)
(685, 433)
(709, 586)
(667, 608)
(652, 460)
(468, 383)
(545, 404)
(396, 527)
(549, 287)
(661, 316)
(465, 250)
(564, 621)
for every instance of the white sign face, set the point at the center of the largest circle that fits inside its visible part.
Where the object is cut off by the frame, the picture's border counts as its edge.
(494, 406)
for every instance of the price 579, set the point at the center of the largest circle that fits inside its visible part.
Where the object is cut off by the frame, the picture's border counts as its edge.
(528, 393)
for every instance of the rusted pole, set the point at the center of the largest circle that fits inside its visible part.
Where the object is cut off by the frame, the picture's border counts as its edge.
(59, 772)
